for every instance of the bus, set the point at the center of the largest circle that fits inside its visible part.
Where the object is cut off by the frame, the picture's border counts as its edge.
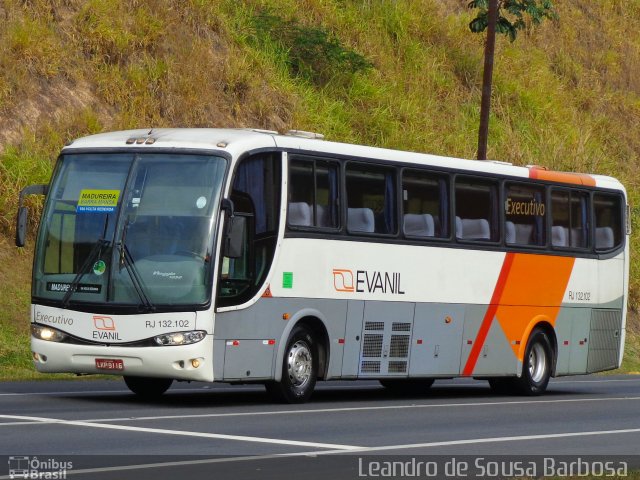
(248, 256)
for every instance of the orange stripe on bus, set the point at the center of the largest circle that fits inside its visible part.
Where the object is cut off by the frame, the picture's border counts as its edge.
(535, 289)
(562, 177)
(488, 317)
(530, 289)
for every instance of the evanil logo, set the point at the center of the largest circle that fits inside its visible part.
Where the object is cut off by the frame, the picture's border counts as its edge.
(367, 281)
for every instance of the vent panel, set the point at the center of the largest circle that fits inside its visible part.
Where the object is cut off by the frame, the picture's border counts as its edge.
(397, 367)
(399, 347)
(372, 345)
(369, 366)
(401, 327)
(374, 325)
(604, 340)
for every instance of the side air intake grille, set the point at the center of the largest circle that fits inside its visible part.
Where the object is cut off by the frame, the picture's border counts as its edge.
(372, 346)
(604, 341)
(401, 327)
(399, 347)
(397, 367)
(374, 325)
(368, 366)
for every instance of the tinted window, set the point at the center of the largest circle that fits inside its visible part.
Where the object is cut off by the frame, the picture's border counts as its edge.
(371, 199)
(313, 193)
(476, 210)
(425, 204)
(525, 214)
(570, 218)
(608, 217)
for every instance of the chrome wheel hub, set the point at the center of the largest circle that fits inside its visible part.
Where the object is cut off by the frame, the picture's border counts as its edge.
(537, 363)
(299, 364)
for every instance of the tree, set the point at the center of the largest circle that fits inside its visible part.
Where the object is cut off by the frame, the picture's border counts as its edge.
(506, 17)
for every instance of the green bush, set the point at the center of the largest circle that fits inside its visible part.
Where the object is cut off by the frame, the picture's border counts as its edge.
(310, 52)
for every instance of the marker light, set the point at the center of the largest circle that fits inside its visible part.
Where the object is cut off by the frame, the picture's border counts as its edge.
(180, 338)
(47, 333)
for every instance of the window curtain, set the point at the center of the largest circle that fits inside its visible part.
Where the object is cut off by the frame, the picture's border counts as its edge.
(250, 180)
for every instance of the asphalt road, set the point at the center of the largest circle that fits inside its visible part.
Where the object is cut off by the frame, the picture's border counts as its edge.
(348, 430)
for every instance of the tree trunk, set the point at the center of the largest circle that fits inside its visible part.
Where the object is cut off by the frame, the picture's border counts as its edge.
(487, 78)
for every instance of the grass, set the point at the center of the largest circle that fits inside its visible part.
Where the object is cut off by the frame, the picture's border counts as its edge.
(566, 94)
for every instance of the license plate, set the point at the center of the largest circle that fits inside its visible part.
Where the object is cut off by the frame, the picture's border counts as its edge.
(109, 364)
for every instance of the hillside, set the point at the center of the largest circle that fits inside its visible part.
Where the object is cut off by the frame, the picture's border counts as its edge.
(394, 73)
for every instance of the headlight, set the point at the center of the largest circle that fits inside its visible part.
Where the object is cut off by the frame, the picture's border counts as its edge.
(47, 333)
(180, 338)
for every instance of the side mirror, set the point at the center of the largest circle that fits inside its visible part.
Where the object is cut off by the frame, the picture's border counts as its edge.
(21, 226)
(21, 221)
(234, 236)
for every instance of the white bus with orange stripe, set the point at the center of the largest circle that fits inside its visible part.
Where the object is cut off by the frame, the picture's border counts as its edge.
(250, 257)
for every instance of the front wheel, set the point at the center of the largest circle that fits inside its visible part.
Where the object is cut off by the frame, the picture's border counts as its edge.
(536, 365)
(299, 368)
(146, 387)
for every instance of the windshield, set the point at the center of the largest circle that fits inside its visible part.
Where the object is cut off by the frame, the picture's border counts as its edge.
(129, 229)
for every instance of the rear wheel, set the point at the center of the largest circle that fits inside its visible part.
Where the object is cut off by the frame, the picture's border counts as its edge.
(536, 365)
(146, 387)
(407, 386)
(299, 368)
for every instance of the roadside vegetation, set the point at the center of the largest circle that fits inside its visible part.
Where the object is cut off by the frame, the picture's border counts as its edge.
(399, 74)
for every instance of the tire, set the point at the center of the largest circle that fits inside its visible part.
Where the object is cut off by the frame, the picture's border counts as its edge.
(407, 386)
(146, 387)
(536, 365)
(299, 368)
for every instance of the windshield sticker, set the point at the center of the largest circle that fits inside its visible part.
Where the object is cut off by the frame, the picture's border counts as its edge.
(82, 287)
(99, 201)
(287, 279)
(99, 267)
(201, 202)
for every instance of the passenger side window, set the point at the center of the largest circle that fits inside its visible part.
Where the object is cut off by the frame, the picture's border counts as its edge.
(525, 220)
(371, 199)
(313, 193)
(425, 204)
(608, 217)
(476, 210)
(570, 218)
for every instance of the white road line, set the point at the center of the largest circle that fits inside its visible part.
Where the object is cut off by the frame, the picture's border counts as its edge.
(240, 438)
(326, 410)
(472, 441)
(352, 451)
(356, 409)
(319, 388)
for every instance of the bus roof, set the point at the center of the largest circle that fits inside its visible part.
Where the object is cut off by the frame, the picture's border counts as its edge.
(238, 141)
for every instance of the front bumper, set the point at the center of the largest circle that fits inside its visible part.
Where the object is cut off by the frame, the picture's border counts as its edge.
(163, 362)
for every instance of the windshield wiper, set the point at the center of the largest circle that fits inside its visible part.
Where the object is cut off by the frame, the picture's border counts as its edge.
(129, 264)
(135, 277)
(95, 252)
